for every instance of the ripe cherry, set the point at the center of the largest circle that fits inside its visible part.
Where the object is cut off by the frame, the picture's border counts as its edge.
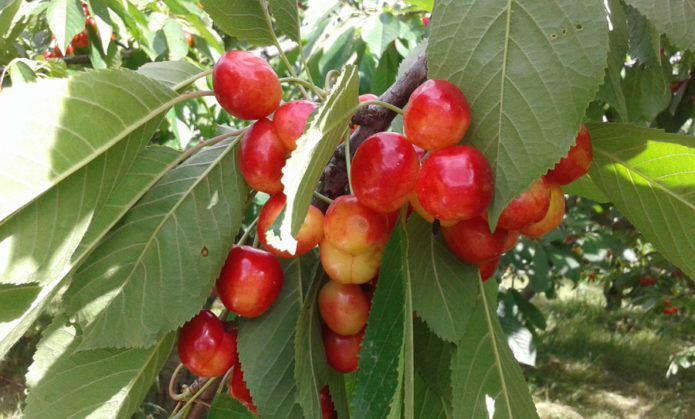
(327, 408)
(353, 227)
(48, 54)
(81, 40)
(343, 307)
(342, 352)
(527, 209)
(239, 390)
(345, 267)
(290, 121)
(204, 347)
(577, 162)
(262, 157)
(472, 241)
(309, 235)
(552, 218)
(246, 86)
(189, 39)
(250, 281)
(455, 183)
(384, 171)
(488, 268)
(437, 115)
(510, 242)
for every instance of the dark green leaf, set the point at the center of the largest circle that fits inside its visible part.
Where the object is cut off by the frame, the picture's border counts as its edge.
(223, 407)
(644, 39)
(539, 276)
(611, 91)
(529, 70)
(432, 361)
(586, 188)
(385, 73)
(646, 90)
(671, 17)
(519, 338)
(428, 404)
(243, 19)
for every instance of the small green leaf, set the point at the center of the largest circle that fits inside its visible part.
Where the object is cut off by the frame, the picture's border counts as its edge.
(486, 379)
(100, 14)
(223, 407)
(611, 91)
(644, 40)
(432, 361)
(423, 4)
(673, 18)
(646, 90)
(378, 378)
(20, 72)
(443, 285)
(519, 338)
(66, 19)
(176, 40)
(315, 147)
(648, 175)
(243, 19)
(385, 73)
(379, 31)
(175, 74)
(65, 382)
(286, 14)
(15, 300)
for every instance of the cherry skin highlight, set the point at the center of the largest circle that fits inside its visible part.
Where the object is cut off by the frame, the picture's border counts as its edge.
(455, 183)
(384, 171)
(262, 157)
(309, 235)
(343, 307)
(246, 86)
(290, 121)
(204, 347)
(577, 161)
(437, 115)
(250, 281)
(342, 352)
(527, 209)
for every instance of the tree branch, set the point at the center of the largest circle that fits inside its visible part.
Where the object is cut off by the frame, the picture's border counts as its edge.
(371, 119)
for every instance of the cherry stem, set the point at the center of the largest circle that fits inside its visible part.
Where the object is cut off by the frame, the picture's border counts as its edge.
(194, 94)
(248, 230)
(320, 93)
(330, 76)
(192, 79)
(172, 382)
(379, 103)
(318, 195)
(348, 157)
(199, 392)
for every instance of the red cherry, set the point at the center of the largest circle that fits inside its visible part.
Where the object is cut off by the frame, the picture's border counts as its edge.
(488, 268)
(246, 86)
(309, 235)
(367, 96)
(472, 241)
(342, 352)
(262, 157)
(437, 115)
(69, 49)
(384, 171)
(48, 54)
(512, 238)
(552, 218)
(250, 281)
(425, 20)
(90, 22)
(85, 9)
(57, 52)
(81, 40)
(327, 408)
(239, 390)
(344, 307)
(353, 227)
(455, 183)
(527, 209)
(577, 162)
(189, 39)
(290, 121)
(667, 302)
(204, 347)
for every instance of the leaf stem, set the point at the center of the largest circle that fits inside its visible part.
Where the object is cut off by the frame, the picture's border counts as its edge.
(209, 142)
(198, 393)
(322, 197)
(172, 382)
(247, 232)
(190, 80)
(348, 158)
(320, 93)
(379, 103)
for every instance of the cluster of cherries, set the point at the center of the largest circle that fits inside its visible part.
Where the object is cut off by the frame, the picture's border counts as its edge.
(424, 169)
(79, 41)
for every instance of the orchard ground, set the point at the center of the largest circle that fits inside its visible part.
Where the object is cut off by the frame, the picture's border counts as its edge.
(591, 363)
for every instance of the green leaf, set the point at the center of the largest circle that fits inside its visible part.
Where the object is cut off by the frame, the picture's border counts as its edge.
(673, 18)
(175, 74)
(649, 176)
(519, 338)
(100, 14)
(586, 188)
(529, 69)
(645, 41)
(266, 343)
(443, 285)
(286, 14)
(486, 379)
(382, 348)
(539, 276)
(65, 382)
(432, 362)
(243, 19)
(337, 49)
(223, 407)
(148, 167)
(315, 148)
(59, 167)
(7, 14)
(66, 19)
(14, 300)
(429, 405)
(176, 40)
(385, 73)
(168, 251)
(379, 31)
(611, 91)
(423, 4)
(20, 73)
(647, 91)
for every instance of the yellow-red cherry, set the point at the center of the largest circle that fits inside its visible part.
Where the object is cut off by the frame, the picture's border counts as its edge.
(204, 347)
(528, 208)
(309, 235)
(246, 86)
(239, 390)
(290, 121)
(343, 307)
(552, 218)
(577, 161)
(262, 157)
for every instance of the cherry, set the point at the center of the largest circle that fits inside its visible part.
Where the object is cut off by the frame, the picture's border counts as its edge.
(246, 86)
(262, 157)
(527, 209)
(81, 40)
(290, 121)
(85, 9)
(488, 268)
(327, 408)
(577, 162)
(437, 115)
(309, 235)
(48, 54)
(250, 281)
(552, 218)
(239, 390)
(189, 39)
(349, 267)
(343, 307)
(57, 52)
(472, 241)
(455, 183)
(384, 171)
(342, 352)
(512, 238)
(204, 347)
(353, 227)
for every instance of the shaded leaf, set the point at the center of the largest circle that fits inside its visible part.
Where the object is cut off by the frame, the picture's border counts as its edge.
(644, 40)
(611, 90)
(175, 74)
(649, 176)
(66, 19)
(428, 404)
(379, 31)
(432, 362)
(485, 376)
(585, 188)
(243, 19)
(286, 14)
(519, 338)
(223, 406)
(671, 17)
(176, 40)
(15, 300)
(529, 70)
(443, 285)
(155, 253)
